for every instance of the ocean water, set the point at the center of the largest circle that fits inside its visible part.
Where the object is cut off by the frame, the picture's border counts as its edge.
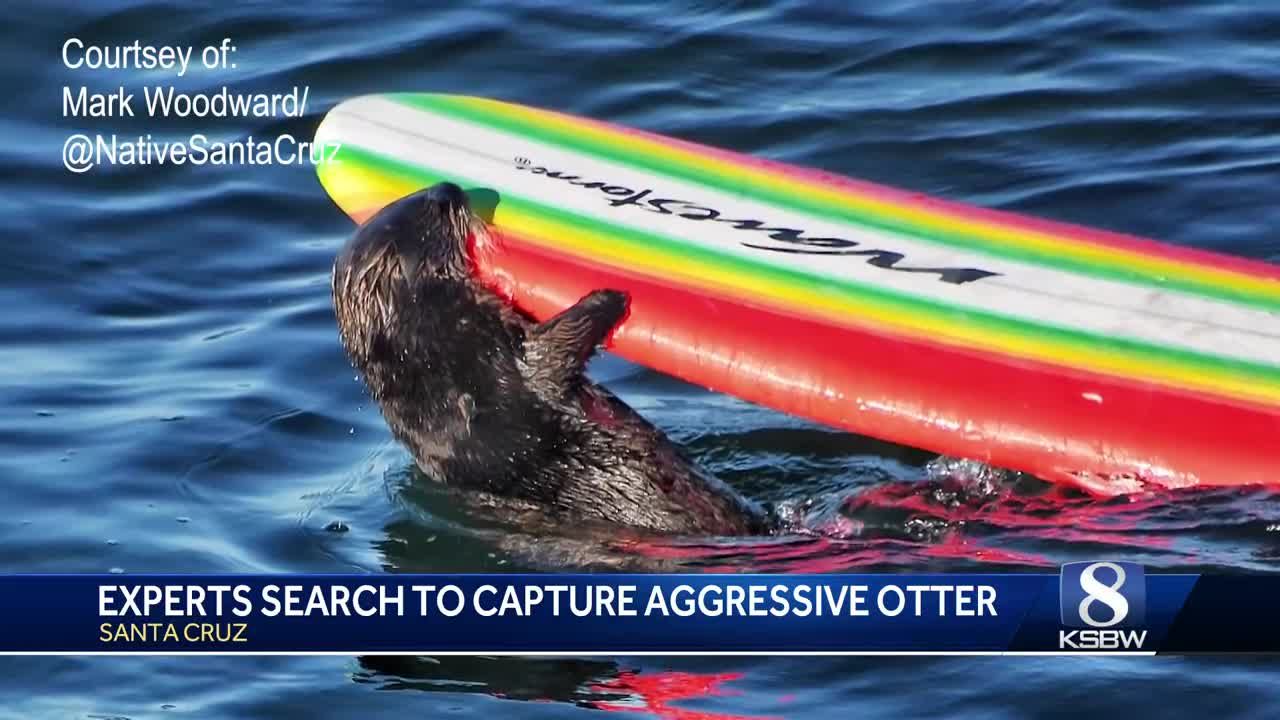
(173, 397)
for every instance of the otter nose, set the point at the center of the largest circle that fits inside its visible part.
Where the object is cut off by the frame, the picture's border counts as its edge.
(446, 193)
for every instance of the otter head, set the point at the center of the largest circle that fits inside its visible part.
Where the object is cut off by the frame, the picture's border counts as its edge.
(420, 239)
(419, 236)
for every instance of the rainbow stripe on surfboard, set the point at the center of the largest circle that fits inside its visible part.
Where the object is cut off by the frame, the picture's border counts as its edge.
(1101, 335)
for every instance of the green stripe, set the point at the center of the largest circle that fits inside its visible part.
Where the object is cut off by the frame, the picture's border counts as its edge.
(694, 255)
(797, 201)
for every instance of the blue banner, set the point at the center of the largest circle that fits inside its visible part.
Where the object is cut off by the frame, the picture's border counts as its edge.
(1088, 607)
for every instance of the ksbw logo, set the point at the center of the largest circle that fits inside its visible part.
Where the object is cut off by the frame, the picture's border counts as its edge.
(1099, 599)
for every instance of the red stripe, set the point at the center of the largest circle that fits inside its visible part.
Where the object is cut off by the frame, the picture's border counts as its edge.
(1022, 415)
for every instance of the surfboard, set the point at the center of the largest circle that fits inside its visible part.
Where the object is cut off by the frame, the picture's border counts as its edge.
(1085, 357)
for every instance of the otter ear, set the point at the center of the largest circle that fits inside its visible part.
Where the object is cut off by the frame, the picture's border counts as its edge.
(557, 350)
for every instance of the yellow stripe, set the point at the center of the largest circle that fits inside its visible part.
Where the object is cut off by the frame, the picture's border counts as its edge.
(1061, 245)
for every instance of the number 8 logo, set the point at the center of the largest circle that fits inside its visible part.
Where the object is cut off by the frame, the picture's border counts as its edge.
(1108, 595)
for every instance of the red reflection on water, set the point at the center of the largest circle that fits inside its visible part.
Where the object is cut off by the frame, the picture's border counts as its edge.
(1056, 514)
(875, 528)
(955, 545)
(655, 692)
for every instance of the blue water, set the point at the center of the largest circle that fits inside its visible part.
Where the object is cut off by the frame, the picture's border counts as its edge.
(173, 397)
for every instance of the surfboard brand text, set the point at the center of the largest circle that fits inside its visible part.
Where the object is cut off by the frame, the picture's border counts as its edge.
(790, 240)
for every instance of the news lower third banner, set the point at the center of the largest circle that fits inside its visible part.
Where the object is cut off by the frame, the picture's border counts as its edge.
(1087, 607)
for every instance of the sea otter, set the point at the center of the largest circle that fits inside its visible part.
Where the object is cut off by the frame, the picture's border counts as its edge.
(492, 402)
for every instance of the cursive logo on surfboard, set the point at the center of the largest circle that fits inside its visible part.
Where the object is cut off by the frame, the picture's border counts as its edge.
(790, 240)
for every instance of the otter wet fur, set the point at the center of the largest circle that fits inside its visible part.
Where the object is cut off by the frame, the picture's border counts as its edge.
(491, 402)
